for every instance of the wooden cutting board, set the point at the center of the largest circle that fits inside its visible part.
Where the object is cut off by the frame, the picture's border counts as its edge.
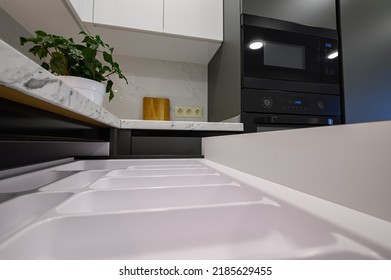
(156, 109)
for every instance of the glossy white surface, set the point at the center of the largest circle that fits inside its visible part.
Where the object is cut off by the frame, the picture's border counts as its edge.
(123, 164)
(31, 181)
(138, 14)
(158, 198)
(228, 232)
(158, 171)
(160, 46)
(159, 181)
(196, 18)
(84, 8)
(18, 212)
(93, 90)
(221, 214)
(74, 182)
(345, 164)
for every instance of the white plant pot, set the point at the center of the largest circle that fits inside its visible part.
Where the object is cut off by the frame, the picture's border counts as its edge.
(93, 90)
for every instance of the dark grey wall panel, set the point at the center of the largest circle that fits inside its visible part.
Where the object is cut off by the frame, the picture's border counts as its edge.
(224, 68)
(366, 49)
(317, 13)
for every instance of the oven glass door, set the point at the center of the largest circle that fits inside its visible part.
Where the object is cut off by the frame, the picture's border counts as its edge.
(276, 54)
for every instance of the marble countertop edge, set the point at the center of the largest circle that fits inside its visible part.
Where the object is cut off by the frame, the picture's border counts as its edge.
(181, 125)
(20, 73)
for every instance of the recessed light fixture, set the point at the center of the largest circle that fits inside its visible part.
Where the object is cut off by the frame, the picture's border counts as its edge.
(256, 45)
(333, 55)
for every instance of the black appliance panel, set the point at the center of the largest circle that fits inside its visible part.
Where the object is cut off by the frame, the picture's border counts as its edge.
(289, 78)
(288, 55)
(284, 55)
(329, 66)
(260, 83)
(255, 122)
(284, 102)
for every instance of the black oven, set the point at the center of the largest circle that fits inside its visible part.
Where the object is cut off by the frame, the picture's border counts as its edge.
(290, 75)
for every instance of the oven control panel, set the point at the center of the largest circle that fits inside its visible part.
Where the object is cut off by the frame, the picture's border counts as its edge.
(269, 101)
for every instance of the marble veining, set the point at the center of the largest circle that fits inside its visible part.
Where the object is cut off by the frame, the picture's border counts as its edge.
(35, 84)
(22, 74)
(181, 125)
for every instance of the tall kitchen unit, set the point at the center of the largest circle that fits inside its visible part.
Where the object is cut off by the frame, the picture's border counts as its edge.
(292, 80)
(366, 53)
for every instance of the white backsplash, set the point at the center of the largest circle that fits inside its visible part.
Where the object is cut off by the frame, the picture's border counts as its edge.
(185, 84)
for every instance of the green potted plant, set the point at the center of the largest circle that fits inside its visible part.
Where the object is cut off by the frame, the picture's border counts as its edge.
(91, 59)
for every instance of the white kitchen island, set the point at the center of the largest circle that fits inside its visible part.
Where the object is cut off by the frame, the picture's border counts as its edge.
(179, 209)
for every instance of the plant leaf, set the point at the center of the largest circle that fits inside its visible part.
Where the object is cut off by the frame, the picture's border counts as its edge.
(42, 52)
(91, 67)
(34, 50)
(108, 57)
(109, 89)
(58, 63)
(45, 66)
(23, 40)
(105, 69)
(41, 33)
(88, 54)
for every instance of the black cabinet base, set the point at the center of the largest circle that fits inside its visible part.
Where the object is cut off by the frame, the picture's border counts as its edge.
(143, 143)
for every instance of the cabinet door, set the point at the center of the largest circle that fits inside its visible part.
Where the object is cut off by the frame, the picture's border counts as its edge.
(195, 18)
(137, 14)
(84, 9)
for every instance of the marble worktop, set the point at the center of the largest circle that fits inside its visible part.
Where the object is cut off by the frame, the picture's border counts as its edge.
(20, 73)
(181, 125)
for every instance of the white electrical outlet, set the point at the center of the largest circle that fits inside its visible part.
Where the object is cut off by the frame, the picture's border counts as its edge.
(188, 112)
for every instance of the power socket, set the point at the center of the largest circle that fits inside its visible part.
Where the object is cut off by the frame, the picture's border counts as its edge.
(188, 112)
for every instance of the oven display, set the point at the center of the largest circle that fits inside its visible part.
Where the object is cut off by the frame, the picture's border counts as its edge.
(295, 103)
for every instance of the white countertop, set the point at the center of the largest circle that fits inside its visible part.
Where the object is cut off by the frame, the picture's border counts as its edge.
(20, 73)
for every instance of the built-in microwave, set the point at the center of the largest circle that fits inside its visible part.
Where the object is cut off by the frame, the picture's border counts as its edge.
(275, 49)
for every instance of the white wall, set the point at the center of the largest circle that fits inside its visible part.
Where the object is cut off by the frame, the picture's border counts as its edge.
(185, 84)
(347, 164)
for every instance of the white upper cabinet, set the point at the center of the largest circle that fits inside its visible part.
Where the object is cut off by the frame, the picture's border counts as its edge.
(145, 28)
(136, 14)
(194, 18)
(84, 8)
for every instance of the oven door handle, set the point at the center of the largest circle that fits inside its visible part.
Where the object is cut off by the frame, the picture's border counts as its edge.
(304, 120)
